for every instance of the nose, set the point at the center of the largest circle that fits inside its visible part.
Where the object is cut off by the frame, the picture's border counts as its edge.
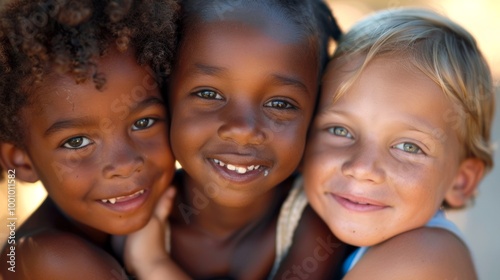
(122, 160)
(364, 164)
(242, 125)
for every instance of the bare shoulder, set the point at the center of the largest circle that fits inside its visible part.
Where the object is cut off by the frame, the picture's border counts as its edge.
(315, 253)
(423, 253)
(59, 255)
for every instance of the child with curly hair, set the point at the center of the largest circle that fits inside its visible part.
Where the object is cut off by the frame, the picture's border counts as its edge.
(402, 131)
(82, 110)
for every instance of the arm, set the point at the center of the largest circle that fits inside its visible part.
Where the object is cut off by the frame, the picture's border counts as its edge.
(424, 253)
(57, 255)
(145, 253)
(315, 253)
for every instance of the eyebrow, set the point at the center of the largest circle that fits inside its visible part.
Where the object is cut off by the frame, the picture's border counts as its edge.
(289, 81)
(208, 69)
(87, 121)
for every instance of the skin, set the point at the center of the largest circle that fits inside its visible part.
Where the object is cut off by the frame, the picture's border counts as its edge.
(244, 98)
(380, 162)
(87, 146)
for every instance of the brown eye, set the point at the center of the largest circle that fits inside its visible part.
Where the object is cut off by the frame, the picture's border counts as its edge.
(143, 123)
(209, 94)
(77, 142)
(279, 104)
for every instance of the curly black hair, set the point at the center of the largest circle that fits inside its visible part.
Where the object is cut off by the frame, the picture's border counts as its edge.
(41, 36)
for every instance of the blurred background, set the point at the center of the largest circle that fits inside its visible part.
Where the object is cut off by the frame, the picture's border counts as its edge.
(481, 228)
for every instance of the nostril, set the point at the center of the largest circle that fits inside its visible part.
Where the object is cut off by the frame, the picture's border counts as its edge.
(123, 169)
(242, 132)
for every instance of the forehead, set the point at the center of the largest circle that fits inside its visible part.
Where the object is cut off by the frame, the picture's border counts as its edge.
(388, 85)
(121, 72)
(59, 95)
(265, 17)
(235, 45)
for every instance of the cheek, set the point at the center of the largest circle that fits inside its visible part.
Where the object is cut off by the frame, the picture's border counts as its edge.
(417, 185)
(290, 142)
(318, 156)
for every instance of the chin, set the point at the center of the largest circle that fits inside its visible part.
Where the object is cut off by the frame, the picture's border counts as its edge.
(128, 226)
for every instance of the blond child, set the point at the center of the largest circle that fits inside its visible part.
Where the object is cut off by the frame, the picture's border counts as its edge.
(402, 131)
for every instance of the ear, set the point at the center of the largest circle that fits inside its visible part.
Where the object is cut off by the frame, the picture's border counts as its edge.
(469, 175)
(15, 158)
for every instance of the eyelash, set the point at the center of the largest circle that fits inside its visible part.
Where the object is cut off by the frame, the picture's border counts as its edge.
(84, 141)
(209, 94)
(340, 131)
(404, 145)
(343, 132)
(82, 138)
(150, 122)
(277, 104)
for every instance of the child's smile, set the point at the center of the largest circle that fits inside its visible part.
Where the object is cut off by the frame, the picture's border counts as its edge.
(102, 152)
(126, 201)
(241, 103)
(240, 171)
(382, 157)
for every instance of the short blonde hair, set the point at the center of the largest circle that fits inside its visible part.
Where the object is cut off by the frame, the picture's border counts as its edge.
(442, 50)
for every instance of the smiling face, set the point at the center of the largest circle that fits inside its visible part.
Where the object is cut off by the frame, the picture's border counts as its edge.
(241, 103)
(382, 158)
(103, 156)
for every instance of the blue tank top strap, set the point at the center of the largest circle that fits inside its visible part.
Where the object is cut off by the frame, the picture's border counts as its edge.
(438, 221)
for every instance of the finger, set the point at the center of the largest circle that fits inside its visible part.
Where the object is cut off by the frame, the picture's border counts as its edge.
(164, 204)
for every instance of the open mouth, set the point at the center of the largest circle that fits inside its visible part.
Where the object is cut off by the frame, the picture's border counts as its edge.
(237, 168)
(124, 198)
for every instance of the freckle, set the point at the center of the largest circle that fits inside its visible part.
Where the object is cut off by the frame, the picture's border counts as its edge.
(353, 231)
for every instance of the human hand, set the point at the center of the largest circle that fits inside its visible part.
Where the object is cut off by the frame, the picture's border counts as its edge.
(146, 247)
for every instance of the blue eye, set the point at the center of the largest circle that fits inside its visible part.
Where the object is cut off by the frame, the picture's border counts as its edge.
(409, 148)
(209, 94)
(77, 142)
(143, 123)
(279, 104)
(340, 131)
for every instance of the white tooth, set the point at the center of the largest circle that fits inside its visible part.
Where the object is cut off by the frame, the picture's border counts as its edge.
(216, 161)
(257, 167)
(104, 200)
(141, 191)
(221, 163)
(242, 170)
(231, 167)
(112, 200)
(251, 167)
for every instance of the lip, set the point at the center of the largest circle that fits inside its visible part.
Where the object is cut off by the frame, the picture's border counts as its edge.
(129, 202)
(357, 204)
(240, 162)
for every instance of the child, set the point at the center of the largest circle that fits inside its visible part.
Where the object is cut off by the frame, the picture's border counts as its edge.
(82, 111)
(242, 95)
(403, 130)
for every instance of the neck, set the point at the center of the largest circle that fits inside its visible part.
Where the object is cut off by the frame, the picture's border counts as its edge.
(224, 222)
(93, 235)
